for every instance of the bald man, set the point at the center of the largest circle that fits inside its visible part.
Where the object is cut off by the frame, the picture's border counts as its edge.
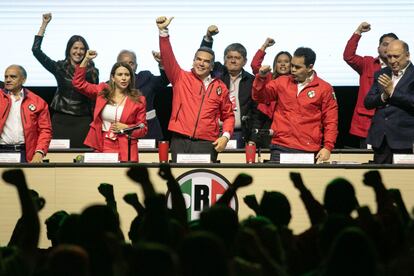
(24, 118)
(392, 95)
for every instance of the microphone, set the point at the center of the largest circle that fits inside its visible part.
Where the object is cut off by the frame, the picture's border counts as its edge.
(130, 129)
(266, 132)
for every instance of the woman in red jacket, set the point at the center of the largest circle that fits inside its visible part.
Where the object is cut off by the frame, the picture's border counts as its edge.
(118, 106)
(281, 66)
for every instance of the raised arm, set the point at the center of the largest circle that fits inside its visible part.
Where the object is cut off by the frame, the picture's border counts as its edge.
(161, 80)
(79, 81)
(242, 180)
(350, 56)
(46, 62)
(207, 40)
(260, 54)
(29, 237)
(316, 212)
(169, 62)
(179, 210)
(264, 90)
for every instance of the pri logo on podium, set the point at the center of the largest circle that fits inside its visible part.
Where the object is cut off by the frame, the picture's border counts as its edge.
(201, 189)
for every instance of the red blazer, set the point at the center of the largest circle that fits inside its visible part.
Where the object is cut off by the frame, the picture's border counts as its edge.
(366, 67)
(134, 113)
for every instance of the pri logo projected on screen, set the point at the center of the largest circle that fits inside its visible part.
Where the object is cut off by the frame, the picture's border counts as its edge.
(201, 189)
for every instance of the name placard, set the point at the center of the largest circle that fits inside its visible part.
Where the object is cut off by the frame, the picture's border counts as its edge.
(193, 158)
(403, 158)
(93, 157)
(231, 144)
(12, 157)
(297, 158)
(146, 144)
(59, 144)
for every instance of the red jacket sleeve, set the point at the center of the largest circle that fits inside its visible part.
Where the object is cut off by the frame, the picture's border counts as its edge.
(44, 130)
(257, 61)
(171, 67)
(82, 86)
(264, 89)
(141, 118)
(329, 118)
(350, 56)
(226, 113)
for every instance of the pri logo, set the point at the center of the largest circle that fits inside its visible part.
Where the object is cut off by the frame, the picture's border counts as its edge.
(201, 189)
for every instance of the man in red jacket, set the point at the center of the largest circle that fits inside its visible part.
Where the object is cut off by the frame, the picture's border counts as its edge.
(365, 66)
(199, 102)
(24, 118)
(306, 114)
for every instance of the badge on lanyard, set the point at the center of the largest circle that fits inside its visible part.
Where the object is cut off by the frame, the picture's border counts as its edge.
(218, 91)
(311, 94)
(32, 107)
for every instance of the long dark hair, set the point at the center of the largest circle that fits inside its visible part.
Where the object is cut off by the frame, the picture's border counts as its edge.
(133, 93)
(275, 73)
(91, 72)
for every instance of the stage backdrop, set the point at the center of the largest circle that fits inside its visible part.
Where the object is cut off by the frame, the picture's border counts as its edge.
(110, 26)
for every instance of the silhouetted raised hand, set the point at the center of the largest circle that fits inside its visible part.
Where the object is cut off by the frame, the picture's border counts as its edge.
(29, 237)
(252, 203)
(140, 175)
(107, 190)
(372, 179)
(178, 207)
(242, 180)
(132, 199)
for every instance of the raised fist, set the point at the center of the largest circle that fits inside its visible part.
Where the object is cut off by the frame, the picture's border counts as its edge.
(269, 42)
(212, 31)
(364, 27)
(163, 22)
(47, 17)
(91, 54)
(264, 70)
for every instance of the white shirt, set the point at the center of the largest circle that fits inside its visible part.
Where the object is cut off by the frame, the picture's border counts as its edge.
(234, 98)
(13, 128)
(395, 79)
(111, 114)
(302, 85)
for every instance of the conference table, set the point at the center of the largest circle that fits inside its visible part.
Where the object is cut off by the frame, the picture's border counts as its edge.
(73, 186)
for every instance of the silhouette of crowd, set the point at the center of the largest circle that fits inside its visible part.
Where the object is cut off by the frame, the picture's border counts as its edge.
(161, 241)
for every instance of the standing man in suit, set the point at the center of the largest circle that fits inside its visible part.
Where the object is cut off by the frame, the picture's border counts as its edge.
(392, 95)
(239, 83)
(365, 66)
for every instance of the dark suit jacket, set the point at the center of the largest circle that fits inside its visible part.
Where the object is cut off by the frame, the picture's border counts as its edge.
(393, 119)
(248, 108)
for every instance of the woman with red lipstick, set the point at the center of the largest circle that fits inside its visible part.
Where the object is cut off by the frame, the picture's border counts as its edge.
(72, 111)
(281, 66)
(118, 106)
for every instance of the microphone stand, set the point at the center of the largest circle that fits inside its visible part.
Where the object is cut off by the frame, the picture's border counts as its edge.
(130, 138)
(128, 132)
